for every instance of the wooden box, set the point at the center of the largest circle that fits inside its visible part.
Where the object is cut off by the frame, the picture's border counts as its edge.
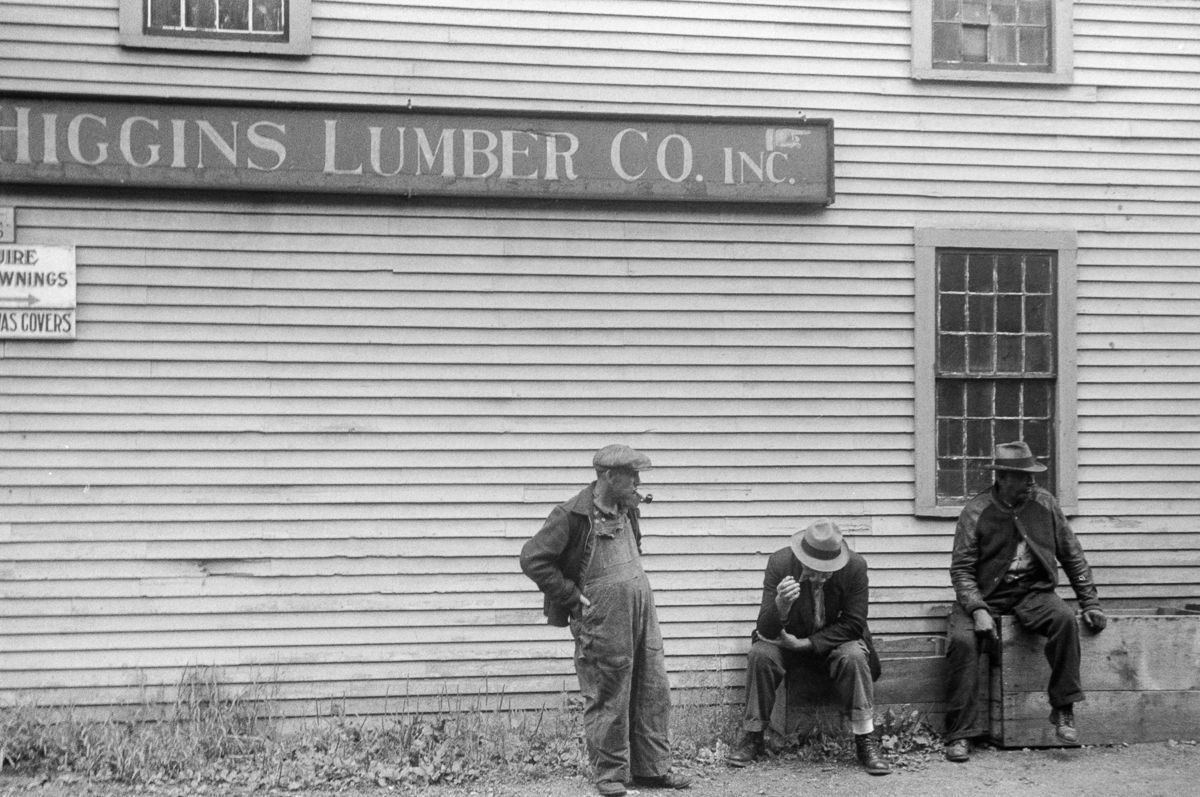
(913, 675)
(1141, 676)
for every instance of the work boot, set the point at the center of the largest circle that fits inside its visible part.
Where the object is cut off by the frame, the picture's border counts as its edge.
(748, 748)
(1063, 720)
(867, 748)
(958, 750)
(671, 780)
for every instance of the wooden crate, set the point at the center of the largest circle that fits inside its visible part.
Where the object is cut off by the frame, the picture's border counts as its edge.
(913, 675)
(1141, 676)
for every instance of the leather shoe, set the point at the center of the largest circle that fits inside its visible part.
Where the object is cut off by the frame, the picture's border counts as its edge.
(1063, 720)
(748, 748)
(958, 750)
(611, 788)
(671, 780)
(866, 746)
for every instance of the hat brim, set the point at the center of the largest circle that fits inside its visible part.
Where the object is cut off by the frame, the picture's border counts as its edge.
(1037, 467)
(820, 565)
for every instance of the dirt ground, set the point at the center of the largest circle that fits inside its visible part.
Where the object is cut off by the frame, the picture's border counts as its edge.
(1141, 770)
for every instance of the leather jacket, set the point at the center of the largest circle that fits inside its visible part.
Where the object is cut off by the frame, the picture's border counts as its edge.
(986, 538)
(558, 555)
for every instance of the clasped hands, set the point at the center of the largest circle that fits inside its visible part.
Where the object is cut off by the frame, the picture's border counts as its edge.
(786, 593)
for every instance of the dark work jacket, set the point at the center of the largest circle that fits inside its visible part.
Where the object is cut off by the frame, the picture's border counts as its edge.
(558, 555)
(986, 538)
(846, 598)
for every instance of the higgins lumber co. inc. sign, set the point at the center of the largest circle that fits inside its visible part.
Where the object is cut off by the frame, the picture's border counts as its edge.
(410, 153)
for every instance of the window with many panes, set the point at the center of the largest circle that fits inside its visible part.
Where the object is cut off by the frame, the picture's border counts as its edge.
(992, 40)
(991, 34)
(994, 362)
(258, 26)
(993, 365)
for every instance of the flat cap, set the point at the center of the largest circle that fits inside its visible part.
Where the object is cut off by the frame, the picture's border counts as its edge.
(620, 456)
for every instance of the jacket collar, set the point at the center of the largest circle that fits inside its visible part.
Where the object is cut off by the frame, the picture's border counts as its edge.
(581, 504)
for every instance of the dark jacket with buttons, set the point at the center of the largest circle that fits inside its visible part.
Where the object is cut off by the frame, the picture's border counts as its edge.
(986, 538)
(558, 555)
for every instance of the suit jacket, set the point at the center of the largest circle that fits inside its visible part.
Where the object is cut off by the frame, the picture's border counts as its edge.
(846, 597)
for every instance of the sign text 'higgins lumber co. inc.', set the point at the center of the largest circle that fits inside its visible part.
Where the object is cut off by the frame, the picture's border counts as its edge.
(407, 153)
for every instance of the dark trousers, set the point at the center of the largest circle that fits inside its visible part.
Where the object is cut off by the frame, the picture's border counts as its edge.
(1042, 613)
(848, 666)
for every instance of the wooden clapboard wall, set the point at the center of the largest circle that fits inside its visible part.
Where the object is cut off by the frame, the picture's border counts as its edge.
(302, 439)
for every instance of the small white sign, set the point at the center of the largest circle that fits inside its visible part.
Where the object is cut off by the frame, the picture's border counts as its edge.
(37, 291)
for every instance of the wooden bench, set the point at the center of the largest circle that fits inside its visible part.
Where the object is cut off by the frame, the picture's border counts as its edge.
(1141, 676)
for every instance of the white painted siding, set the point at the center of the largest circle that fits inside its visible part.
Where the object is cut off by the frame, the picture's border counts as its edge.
(304, 438)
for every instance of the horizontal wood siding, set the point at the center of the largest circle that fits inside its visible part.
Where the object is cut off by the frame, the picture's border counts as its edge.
(302, 439)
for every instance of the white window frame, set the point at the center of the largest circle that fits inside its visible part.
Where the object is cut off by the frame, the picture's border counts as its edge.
(299, 39)
(1062, 53)
(928, 241)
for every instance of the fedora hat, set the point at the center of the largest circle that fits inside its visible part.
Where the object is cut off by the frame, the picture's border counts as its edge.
(1016, 456)
(820, 547)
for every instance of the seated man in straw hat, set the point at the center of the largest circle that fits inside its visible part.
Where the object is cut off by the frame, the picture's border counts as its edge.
(814, 611)
(1008, 544)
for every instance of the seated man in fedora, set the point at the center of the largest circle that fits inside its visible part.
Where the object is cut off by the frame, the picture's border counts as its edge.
(814, 612)
(1008, 544)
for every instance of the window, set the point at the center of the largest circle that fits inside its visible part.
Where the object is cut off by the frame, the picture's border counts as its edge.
(994, 359)
(280, 27)
(1027, 41)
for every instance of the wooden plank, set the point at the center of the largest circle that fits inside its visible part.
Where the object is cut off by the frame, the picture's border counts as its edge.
(1104, 718)
(1134, 654)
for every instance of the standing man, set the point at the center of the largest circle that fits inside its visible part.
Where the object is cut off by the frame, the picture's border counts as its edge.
(587, 560)
(1007, 547)
(814, 612)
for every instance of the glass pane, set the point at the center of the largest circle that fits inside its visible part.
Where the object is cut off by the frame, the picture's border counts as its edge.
(981, 313)
(974, 45)
(1008, 274)
(950, 437)
(268, 16)
(1037, 435)
(164, 13)
(979, 438)
(235, 15)
(952, 312)
(980, 399)
(946, 10)
(1008, 399)
(949, 399)
(952, 272)
(947, 42)
(1037, 354)
(950, 479)
(1032, 45)
(1007, 429)
(1037, 313)
(202, 14)
(1004, 12)
(980, 278)
(1002, 45)
(1037, 400)
(1008, 354)
(1008, 313)
(1033, 12)
(979, 354)
(975, 11)
(1037, 274)
(952, 357)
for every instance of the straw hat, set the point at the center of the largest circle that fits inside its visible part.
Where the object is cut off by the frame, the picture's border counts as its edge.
(820, 547)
